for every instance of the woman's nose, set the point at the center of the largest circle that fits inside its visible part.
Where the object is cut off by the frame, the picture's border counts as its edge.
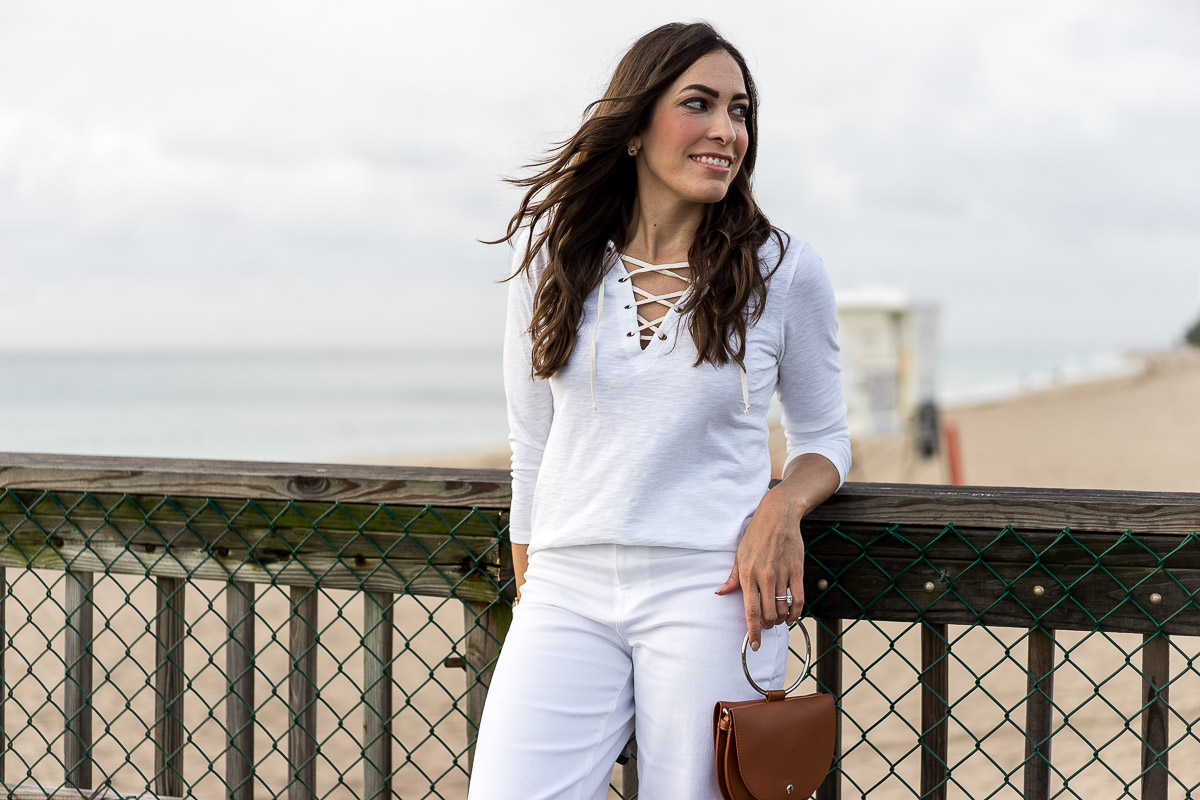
(724, 131)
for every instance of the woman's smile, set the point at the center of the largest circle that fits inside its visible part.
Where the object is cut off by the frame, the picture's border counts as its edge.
(715, 163)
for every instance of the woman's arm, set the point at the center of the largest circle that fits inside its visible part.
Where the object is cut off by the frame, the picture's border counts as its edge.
(530, 407)
(520, 564)
(770, 556)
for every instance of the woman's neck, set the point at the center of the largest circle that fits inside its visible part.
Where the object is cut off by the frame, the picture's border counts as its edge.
(662, 235)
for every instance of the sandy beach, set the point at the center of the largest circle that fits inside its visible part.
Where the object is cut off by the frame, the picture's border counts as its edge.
(1137, 431)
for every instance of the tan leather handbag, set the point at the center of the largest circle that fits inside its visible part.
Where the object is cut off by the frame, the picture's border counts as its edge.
(777, 748)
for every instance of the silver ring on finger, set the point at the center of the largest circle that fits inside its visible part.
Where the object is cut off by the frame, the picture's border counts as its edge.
(787, 597)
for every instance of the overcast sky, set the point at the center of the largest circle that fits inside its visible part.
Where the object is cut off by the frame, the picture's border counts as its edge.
(304, 174)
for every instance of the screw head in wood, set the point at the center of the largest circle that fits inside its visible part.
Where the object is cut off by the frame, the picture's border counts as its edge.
(1156, 598)
(929, 587)
(1039, 590)
(822, 584)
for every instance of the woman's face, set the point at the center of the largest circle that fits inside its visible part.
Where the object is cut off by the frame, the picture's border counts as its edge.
(697, 136)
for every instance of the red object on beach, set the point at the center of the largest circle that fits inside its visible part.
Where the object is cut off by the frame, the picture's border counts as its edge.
(953, 454)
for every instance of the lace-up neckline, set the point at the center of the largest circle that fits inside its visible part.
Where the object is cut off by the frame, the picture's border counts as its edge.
(648, 329)
(667, 299)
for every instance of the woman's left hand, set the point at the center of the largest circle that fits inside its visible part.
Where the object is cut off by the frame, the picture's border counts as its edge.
(769, 561)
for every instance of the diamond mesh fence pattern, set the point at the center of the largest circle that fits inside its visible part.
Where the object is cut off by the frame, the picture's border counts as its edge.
(253, 648)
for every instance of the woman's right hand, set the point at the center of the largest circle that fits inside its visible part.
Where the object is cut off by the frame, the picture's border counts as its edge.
(520, 554)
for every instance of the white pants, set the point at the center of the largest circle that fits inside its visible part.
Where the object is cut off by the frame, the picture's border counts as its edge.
(602, 631)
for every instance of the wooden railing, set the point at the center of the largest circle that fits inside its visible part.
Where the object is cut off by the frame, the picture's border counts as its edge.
(1041, 560)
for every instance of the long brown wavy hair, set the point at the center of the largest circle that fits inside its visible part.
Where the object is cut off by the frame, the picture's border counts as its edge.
(585, 190)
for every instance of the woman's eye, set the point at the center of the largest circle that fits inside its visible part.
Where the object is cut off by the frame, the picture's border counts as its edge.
(742, 111)
(697, 103)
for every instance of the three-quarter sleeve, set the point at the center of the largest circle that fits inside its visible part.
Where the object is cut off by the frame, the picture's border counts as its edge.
(810, 379)
(529, 401)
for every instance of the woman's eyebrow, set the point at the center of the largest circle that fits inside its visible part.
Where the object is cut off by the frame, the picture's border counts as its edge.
(700, 87)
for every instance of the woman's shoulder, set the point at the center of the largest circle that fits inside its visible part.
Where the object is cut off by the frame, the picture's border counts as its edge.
(786, 258)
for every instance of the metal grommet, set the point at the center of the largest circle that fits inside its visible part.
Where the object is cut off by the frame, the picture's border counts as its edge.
(803, 672)
(662, 336)
(622, 280)
(628, 306)
(629, 334)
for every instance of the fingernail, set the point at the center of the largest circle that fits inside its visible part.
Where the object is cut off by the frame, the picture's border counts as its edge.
(754, 646)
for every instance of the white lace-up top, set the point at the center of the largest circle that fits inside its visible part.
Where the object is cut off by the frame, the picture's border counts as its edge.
(634, 445)
(645, 324)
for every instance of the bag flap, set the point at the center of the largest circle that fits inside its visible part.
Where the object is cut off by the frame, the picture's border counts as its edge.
(784, 743)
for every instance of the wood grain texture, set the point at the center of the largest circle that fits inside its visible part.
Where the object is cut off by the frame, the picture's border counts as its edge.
(170, 678)
(489, 488)
(991, 577)
(829, 676)
(3, 675)
(77, 691)
(239, 703)
(935, 711)
(1090, 510)
(1039, 713)
(378, 637)
(1156, 717)
(33, 791)
(302, 694)
(486, 626)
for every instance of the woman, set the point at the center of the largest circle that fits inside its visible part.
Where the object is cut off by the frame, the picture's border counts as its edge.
(652, 314)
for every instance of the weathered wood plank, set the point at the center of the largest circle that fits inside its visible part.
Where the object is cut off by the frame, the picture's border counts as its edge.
(1039, 713)
(170, 628)
(242, 523)
(3, 675)
(1156, 717)
(993, 579)
(1094, 510)
(77, 692)
(935, 711)
(486, 626)
(34, 791)
(629, 772)
(240, 705)
(488, 488)
(400, 577)
(1045, 509)
(829, 676)
(302, 694)
(378, 635)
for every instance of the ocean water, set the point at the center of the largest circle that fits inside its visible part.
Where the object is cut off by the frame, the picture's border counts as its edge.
(349, 406)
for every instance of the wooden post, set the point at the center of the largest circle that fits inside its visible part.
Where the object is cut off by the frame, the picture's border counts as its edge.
(829, 676)
(1156, 676)
(239, 703)
(169, 682)
(3, 679)
(935, 710)
(1039, 713)
(486, 625)
(629, 773)
(302, 693)
(378, 635)
(77, 694)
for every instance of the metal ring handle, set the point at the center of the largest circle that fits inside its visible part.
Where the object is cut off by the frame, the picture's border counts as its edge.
(803, 672)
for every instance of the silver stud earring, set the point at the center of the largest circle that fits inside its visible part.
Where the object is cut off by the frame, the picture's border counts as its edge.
(633, 151)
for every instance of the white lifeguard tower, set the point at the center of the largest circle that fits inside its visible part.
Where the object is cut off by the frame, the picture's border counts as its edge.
(889, 355)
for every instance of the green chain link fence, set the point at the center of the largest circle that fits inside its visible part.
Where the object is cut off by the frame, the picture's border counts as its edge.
(206, 629)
